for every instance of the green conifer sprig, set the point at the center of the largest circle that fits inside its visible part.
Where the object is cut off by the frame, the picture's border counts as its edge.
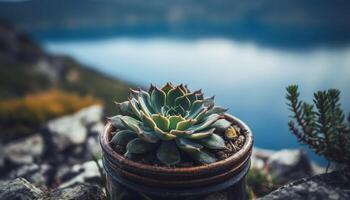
(322, 125)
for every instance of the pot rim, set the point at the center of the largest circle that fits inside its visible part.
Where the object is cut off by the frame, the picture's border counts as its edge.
(238, 156)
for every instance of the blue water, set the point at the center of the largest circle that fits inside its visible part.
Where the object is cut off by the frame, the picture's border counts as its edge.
(248, 79)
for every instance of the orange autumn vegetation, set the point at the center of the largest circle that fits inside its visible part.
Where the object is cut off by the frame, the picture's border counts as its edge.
(32, 110)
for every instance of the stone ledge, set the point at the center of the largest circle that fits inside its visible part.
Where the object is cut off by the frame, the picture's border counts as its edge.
(333, 186)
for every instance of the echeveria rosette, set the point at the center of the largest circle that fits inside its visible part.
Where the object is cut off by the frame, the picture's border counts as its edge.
(168, 120)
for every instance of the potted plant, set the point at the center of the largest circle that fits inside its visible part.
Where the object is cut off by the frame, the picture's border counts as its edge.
(171, 143)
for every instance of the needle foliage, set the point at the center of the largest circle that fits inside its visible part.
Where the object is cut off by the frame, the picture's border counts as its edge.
(321, 125)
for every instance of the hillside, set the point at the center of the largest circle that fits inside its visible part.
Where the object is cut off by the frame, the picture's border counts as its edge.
(26, 69)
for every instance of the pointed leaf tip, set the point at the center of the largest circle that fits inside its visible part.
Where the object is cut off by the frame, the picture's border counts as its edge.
(167, 87)
(173, 94)
(158, 99)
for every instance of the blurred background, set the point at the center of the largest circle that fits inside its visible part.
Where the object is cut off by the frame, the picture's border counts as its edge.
(58, 56)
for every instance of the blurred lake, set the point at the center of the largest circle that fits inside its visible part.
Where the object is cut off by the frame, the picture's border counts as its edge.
(247, 78)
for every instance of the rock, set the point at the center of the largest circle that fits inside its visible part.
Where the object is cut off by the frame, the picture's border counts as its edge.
(333, 186)
(218, 196)
(93, 146)
(78, 191)
(36, 174)
(19, 189)
(87, 172)
(23, 151)
(259, 157)
(67, 130)
(289, 165)
(73, 129)
(90, 115)
(96, 129)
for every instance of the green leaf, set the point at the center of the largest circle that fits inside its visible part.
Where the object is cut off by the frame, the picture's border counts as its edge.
(209, 102)
(134, 107)
(214, 141)
(151, 88)
(183, 125)
(173, 94)
(158, 98)
(123, 108)
(217, 110)
(164, 110)
(123, 137)
(168, 153)
(145, 103)
(179, 110)
(147, 120)
(167, 87)
(164, 135)
(187, 145)
(150, 136)
(134, 125)
(191, 97)
(161, 121)
(195, 109)
(201, 135)
(171, 111)
(174, 120)
(201, 114)
(199, 94)
(221, 125)
(183, 101)
(179, 133)
(133, 93)
(206, 123)
(184, 88)
(139, 146)
(130, 122)
(116, 122)
(202, 157)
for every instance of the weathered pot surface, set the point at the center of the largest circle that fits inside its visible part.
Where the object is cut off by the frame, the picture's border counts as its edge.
(121, 169)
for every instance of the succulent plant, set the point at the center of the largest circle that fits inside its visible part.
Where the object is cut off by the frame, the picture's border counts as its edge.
(171, 121)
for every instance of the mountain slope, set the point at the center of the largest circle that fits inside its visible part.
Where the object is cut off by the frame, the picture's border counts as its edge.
(25, 68)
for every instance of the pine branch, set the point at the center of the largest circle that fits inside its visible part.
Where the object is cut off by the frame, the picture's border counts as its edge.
(323, 129)
(296, 107)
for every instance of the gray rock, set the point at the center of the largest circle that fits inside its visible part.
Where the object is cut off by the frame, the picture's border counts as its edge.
(333, 186)
(78, 191)
(19, 189)
(67, 130)
(73, 129)
(218, 196)
(96, 129)
(87, 172)
(93, 146)
(90, 115)
(23, 151)
(289, 165)
(259, 157)
(36, 174)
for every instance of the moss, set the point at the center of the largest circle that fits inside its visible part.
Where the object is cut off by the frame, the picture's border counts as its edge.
(260, 183)
(24, 115)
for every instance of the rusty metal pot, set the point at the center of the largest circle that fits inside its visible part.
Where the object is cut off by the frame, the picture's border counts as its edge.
(127, 179)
